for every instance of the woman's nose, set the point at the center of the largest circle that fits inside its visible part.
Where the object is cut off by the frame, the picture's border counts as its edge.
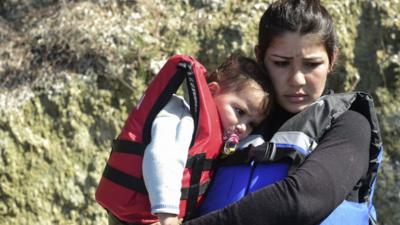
(298, 78)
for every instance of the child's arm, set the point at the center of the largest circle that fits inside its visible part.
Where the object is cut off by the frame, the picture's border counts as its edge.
(165, 158)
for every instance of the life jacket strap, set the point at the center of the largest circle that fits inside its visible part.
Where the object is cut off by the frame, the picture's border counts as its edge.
(137, 184)
(129, 147)
(193, 94)
(261, 153)
(125, 180)
(202, 190)
(372, 220)
(194, 188)
(267, 152)
(208, 164)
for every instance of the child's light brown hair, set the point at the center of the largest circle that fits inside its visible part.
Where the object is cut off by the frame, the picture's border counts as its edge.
(240, 72)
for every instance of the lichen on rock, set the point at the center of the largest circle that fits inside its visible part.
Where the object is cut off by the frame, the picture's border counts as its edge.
(71, 71)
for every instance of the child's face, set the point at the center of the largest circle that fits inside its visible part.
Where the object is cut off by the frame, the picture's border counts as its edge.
(240, 111)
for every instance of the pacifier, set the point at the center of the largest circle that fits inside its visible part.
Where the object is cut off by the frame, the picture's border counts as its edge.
(231, 139)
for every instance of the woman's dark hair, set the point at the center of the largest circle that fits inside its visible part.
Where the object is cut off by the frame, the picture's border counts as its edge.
(299, 16)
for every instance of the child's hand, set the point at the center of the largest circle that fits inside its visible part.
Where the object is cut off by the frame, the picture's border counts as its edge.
(168, 219)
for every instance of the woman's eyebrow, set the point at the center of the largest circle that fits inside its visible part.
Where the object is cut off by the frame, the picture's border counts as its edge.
(313, 58)
(281, 56)
(310, 58)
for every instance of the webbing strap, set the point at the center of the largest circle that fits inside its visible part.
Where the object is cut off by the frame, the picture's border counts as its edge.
(194, 188)
(129, 147)
(137, 184)
(202, 190)
(208, 164)
(183, 70)
(267, 152)
(124, 180)
(193, 93)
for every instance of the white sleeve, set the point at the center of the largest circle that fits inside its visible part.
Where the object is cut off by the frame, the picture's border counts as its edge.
(165, 157)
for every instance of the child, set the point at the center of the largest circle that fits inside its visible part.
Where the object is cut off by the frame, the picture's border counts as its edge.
(239, 90)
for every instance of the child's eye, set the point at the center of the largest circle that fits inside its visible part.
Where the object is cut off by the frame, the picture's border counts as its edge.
(239, 111)
(252, 125)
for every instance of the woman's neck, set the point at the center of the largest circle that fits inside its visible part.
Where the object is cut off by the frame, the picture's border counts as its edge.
(274, 121)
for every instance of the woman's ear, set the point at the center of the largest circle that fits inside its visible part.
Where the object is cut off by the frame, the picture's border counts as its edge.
(257, 53)
(214, 87)
(334, 57)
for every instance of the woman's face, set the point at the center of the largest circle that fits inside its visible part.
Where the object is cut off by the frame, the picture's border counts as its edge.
(298, 67)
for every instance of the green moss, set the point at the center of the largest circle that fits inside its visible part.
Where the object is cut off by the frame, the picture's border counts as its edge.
(69, 80)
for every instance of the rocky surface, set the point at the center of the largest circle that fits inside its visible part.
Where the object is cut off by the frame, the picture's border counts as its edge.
(70, 71)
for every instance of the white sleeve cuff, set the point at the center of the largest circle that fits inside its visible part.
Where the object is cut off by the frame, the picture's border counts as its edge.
(165, 208)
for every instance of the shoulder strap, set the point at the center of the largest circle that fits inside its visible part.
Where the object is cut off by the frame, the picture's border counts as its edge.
(318, 117)
(193, 93)
(183, 71)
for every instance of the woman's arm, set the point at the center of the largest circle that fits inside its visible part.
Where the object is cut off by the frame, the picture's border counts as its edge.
(315, 189)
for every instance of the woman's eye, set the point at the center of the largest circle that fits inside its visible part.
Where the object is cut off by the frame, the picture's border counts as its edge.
(312, 64)
(281, 63)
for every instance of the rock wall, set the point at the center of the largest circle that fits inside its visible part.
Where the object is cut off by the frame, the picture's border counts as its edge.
(70, 71)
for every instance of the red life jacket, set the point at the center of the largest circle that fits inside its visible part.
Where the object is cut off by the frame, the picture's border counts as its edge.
(121, 189)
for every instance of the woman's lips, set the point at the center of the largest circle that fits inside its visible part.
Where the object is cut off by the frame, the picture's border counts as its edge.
(296, 98)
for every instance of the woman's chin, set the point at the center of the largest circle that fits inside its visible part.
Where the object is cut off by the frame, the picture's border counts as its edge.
(295, 108)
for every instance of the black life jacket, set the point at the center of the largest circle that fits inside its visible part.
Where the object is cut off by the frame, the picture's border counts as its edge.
(293, 142)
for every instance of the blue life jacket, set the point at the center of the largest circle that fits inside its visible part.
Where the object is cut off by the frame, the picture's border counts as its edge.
(294, 140)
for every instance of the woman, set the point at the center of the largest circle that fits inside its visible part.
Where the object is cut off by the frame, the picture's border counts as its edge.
(298, 47)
